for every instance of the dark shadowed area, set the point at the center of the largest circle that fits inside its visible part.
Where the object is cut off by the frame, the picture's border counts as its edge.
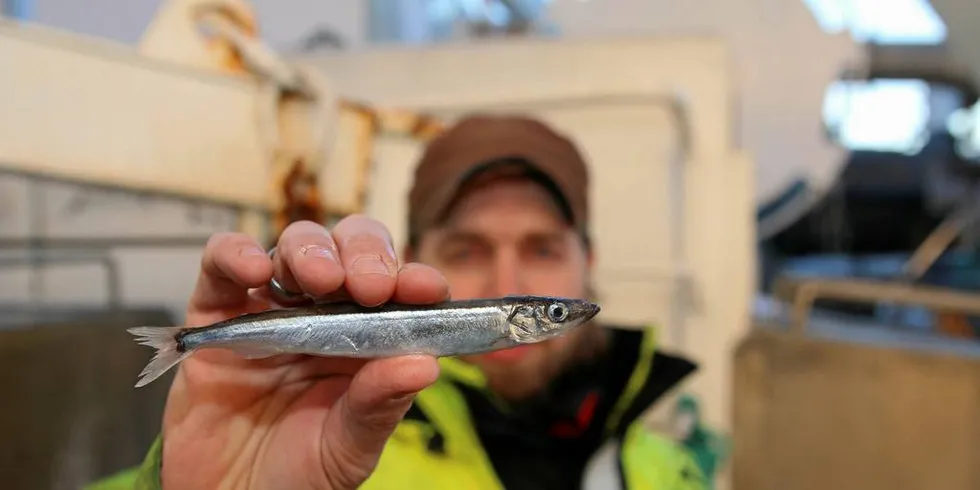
(70, 412)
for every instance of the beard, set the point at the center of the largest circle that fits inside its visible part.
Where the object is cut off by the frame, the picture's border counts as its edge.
(521, 378)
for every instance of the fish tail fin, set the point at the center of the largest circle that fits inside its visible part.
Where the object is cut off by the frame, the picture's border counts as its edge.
(164, 340)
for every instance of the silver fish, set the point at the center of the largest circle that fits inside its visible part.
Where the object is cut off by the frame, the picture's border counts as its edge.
(450, 328)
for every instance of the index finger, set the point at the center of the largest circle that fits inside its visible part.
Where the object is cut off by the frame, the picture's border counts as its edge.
(368, 257)
(232, 264)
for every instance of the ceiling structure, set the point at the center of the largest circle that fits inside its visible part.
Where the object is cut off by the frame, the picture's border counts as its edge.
(931, 36)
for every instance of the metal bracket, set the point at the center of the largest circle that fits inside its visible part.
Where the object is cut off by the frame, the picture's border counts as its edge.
(296, 117)
(803, 293)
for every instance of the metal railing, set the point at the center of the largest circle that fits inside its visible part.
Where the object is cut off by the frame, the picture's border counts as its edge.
(46, 258)
(802, 293)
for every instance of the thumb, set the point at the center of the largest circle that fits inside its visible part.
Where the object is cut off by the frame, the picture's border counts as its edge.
(359, 425)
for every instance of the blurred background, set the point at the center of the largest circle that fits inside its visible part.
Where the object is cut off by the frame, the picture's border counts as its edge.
(803, 186)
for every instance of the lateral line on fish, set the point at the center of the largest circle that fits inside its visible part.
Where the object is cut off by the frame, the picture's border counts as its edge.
(350, 330)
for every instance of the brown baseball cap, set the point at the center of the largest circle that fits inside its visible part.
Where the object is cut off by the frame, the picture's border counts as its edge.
(479, 143)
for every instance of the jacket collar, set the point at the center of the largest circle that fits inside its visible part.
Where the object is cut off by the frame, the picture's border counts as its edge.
(639, 372)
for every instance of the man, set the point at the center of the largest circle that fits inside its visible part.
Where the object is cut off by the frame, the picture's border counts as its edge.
(499, 206)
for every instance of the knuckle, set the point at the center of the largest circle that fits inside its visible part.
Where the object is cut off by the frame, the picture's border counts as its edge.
(379, 423)
(344, 467)
(360, 246)
(418, 267)
(421, 272)
(309, 245)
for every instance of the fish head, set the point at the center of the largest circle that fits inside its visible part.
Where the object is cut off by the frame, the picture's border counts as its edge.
(533, 319)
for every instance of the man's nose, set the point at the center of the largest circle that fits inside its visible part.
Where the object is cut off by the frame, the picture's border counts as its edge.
(507, 275)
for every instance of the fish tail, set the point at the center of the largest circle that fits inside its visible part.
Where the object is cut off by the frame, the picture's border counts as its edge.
(164, 340)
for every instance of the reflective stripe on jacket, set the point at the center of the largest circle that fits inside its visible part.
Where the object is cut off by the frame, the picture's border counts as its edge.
(643, 460)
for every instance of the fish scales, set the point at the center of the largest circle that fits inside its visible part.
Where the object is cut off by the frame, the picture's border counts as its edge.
(438, 332)
(449, 328)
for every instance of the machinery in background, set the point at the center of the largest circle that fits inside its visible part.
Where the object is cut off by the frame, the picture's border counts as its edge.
(203, 111)
(783, 61)
(904, 212)
(230, 109)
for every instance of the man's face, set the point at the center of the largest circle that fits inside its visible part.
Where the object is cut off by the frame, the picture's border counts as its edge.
(503, 238)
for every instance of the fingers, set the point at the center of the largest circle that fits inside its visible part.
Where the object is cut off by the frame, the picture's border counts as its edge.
(366, 415)
(368, 257)
(232, 263)
(356, 261)
(307, 260)
(420, 284)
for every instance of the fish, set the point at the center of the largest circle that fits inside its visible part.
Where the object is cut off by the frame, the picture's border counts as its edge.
(347, 329)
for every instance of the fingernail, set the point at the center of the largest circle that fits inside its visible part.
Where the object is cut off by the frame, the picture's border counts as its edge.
(251, 251)
(403, 397)
(369, 264)
(317, 251)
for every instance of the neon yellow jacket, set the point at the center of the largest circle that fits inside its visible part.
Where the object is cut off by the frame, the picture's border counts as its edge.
(438, 444)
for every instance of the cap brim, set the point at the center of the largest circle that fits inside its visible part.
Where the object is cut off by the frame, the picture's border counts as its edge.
(509, 166)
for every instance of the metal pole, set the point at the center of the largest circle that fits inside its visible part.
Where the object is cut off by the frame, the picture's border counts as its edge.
(35, 211)
(39, 259)
(102, 243)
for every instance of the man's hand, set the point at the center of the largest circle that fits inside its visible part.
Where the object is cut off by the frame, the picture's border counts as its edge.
(289, 421)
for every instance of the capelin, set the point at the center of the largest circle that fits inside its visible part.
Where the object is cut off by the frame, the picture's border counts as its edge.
(538, 318)
(566, 313)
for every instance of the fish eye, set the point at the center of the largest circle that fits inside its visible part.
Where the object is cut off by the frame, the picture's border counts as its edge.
(557, 312)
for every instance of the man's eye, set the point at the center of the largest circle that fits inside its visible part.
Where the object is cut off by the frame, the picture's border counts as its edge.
(458, 254)
(545, 251)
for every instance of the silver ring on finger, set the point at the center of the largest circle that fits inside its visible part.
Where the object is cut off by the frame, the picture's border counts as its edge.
(277, 289)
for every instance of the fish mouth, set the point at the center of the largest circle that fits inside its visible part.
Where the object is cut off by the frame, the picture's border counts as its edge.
(586, 311)
(591, 310)
(582, 313)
